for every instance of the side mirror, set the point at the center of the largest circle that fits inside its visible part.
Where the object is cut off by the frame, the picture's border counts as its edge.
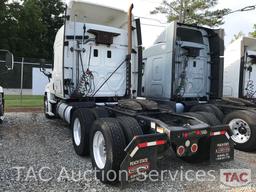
(42, 68)
(7, 59)
(42, 64)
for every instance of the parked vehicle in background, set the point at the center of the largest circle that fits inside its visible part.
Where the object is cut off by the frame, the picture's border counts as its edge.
(6, 63)
(240, 69)
(184, 69)
(96, 55)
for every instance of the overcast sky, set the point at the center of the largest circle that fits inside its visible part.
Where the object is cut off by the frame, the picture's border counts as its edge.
(240, 21)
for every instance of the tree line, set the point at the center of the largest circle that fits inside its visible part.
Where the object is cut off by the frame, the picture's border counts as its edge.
(28, 27)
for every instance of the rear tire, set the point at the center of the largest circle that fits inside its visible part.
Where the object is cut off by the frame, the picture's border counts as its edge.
(130, 126)
(197, 116)
(210, 109)
(108, 164)
(243, 125)
(81, 124)
(212, 119)
(100, 112)
(232, 100)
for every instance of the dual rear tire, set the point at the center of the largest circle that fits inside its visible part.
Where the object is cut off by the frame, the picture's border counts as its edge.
(104, 138)
(241, 122)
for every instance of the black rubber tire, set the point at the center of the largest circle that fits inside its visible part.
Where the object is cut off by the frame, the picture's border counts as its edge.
(100, 112)
(1, 112)
(114, 144)
(130, 126)
(218, 113)
(211, 118)
(234, 101)
(86, 119)
(248, 117)
(208, 108)
(198, 116)
(45, 108)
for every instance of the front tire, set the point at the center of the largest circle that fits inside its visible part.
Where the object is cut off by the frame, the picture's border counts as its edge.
(46, 108)
(243, 125)
(107, 144)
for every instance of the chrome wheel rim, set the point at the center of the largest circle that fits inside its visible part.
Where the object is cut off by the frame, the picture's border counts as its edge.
(241, 130)
(77, 132)
(99, 150)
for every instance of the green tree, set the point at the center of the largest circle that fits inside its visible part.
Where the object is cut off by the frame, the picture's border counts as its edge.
(31, 30)
(253, 34)
(9, 13)
(52, 19)
(28, 27)
(192, 12)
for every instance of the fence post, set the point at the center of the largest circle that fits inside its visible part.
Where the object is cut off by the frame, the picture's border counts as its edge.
(21, 79)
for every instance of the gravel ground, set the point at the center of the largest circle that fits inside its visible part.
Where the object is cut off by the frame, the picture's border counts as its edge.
(43, 148)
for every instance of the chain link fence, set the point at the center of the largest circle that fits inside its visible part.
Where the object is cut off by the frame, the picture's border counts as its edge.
(26, 77)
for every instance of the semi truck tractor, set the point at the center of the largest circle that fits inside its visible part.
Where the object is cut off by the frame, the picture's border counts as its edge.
(184, 69)
(97, 53)
(6, 63)
(240, 69)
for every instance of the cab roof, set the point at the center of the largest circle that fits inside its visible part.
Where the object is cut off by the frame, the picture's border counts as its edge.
(86, 12)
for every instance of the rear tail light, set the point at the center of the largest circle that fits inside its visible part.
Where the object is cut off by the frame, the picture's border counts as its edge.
(185, 135)
(180, 150)
(194, 148)
(198, 132)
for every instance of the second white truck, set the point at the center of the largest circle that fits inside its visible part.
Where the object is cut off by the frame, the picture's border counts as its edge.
(240, 69)
(184, 69)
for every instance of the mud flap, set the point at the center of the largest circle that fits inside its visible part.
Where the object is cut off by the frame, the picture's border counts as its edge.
(222, 149)
(141, 157)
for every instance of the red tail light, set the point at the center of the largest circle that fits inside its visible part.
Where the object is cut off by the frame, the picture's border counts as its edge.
(194, 148)
(180, 150)
(198, 132)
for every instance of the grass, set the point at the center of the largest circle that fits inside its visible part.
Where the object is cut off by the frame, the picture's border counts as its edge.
(28, 101)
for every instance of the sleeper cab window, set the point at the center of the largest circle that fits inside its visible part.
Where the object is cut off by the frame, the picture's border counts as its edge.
(109, 54)
(95, 52)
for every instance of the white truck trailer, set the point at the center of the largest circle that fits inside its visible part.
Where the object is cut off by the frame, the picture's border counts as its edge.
(97, 54)
(184, 68)
(6, 63)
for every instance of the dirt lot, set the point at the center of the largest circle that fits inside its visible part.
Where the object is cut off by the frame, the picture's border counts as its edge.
(37, 155)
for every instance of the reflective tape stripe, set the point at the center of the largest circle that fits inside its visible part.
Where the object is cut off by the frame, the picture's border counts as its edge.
(134, 151)
(218, 133)
(146, 144)
(227, 135)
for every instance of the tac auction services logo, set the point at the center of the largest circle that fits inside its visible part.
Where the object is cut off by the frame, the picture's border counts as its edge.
(235, 178)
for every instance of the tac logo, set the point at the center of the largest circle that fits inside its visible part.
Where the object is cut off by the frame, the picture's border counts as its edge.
(235, 177)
